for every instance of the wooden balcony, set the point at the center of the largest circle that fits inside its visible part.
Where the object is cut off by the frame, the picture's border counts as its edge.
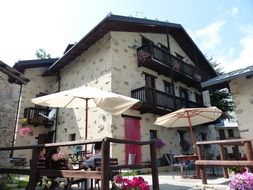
(34, 118)
(159, 60)
(158, 102)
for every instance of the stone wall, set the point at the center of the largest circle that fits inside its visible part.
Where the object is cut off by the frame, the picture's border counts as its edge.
(242, 93)
(38, 84)
(126, 76)
(93, 68)
(9, 95)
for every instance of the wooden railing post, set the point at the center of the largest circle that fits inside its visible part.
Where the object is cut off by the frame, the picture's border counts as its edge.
(33, 166)
(154, 170)
(248, 151)
(222, 157)
(200, 169)
(105, 164)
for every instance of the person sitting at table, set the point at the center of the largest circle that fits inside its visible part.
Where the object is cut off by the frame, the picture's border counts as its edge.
(42, 154)
(57, 159)
(89, 163)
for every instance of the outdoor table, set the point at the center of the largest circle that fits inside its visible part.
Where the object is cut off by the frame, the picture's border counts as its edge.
(185, 157)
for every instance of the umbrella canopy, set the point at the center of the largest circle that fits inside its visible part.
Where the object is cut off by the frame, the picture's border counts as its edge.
(188, 117)
(86, 97)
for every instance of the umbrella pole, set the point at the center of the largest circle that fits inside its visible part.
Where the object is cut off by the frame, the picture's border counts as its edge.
(191, 133)
(86, 122)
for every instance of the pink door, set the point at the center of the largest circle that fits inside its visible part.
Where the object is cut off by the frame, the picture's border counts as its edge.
(132, 131)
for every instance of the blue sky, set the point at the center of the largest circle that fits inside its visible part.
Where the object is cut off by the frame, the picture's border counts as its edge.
(221, 28)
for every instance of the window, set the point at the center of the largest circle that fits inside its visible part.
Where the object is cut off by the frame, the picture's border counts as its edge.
(183, 93)
(150, 80)
(167, 87)
(199, 99)
(72, 137)
(230, 133)
(152, 134)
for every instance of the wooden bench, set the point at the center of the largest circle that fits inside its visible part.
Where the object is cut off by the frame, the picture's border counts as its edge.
(202, 163)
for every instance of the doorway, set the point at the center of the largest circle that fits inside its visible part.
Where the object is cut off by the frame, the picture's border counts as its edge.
(132, 132)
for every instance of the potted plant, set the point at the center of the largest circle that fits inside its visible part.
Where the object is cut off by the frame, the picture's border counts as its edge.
(25, 129)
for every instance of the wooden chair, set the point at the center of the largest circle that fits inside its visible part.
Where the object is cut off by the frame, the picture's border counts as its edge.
(112, 173)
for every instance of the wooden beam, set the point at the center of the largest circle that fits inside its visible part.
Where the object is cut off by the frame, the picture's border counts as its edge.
(226, 163)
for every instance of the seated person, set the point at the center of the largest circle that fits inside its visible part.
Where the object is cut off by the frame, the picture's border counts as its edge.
(42, 154)
(57, 158)
(89, 163)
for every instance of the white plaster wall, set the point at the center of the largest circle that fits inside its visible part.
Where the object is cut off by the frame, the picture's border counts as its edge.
(242, 92)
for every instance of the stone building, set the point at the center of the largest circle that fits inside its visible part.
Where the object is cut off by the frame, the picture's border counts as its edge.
(11, 82)
(240, 84)
(155, 62)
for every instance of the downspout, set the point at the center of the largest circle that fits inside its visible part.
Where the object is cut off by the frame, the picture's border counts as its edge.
(57, 113)
(16, 121)
(171, 68)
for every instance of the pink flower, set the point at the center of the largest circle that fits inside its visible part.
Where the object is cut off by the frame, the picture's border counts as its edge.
(136, 183)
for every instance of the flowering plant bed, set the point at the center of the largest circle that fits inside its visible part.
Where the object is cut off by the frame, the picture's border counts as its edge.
(242, 181)
(25, 131)
(136, 183)
(159, 143)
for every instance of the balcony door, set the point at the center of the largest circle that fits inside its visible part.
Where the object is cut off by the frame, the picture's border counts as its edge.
(150, 84)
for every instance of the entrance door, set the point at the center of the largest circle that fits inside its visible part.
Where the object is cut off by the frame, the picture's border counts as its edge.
(132, 131)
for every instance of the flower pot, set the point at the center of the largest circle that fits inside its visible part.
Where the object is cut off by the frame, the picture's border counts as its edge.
(131, 159)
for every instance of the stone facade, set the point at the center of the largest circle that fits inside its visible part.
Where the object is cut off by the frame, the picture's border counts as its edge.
(111, 65)
(37, 84)
(9, 96)
(241, 90)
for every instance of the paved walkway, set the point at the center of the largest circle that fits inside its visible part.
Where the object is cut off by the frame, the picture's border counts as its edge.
(168, 182)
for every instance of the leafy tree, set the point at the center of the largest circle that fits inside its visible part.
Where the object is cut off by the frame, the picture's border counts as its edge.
(221, 98)
(41, 54)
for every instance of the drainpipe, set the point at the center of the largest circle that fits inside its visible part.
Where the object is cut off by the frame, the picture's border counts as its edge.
(16, 121)
(57, 113)
(171, 68)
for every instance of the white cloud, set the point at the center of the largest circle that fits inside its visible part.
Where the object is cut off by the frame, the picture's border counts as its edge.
(245, 56)
(209, 37)
(234, 11)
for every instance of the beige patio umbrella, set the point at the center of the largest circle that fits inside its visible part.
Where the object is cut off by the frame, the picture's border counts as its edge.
(87, 97)
(188, 117)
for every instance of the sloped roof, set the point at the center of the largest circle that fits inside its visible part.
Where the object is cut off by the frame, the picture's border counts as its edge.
(225, 78)
(24, 64)
(14, 75)
(131, 24)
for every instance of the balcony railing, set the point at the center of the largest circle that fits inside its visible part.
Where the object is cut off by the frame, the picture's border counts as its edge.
(158, 59)
(34, 118)
(155, 101)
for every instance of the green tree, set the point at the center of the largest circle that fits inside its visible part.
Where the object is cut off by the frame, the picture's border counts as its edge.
(41, 54)
(221, 98)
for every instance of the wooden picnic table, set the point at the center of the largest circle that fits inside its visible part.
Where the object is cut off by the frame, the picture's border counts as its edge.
(201, 162)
